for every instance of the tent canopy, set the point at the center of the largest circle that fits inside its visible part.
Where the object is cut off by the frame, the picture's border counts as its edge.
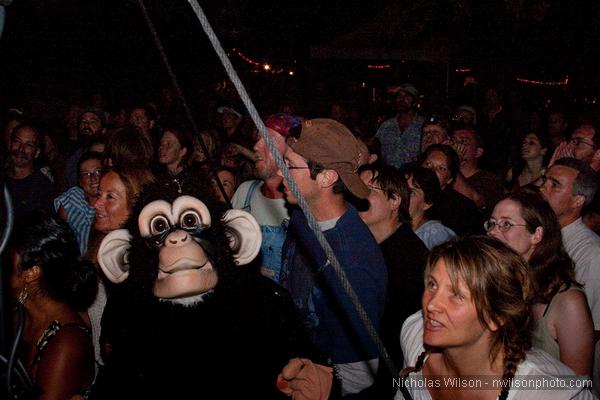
(405, 30)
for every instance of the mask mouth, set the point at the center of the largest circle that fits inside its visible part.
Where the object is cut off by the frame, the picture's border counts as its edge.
(183, 264)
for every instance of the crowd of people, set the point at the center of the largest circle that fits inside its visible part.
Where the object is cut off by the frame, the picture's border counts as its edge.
(471, 243)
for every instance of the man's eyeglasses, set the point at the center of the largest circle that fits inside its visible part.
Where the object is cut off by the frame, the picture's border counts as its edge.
(375, 188)
(460, 140)
(503, 225)
(291, 167)
(88, 174)
(577, 141)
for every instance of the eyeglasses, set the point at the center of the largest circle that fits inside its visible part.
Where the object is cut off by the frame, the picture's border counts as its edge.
(503, 225)
(577, 141)
(88, 174)
(290, 167)
(371, 187)
(460, 140)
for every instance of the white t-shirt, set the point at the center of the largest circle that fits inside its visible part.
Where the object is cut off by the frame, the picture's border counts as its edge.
(538, 368)
(583, 246)
(266, 211)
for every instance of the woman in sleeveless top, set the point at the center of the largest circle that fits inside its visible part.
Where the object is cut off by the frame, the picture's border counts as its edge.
(563, 324)
(51, 284)
(536, 150)
(472, 338)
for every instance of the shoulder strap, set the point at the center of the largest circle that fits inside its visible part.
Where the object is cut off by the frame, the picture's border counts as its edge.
(550, 305)
(249, 195)
(76, 325)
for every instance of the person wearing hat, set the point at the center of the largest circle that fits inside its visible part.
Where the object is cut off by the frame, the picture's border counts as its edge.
(263, 197)
(323, 158)
(229, 123)
(400, 136)
(466, 116)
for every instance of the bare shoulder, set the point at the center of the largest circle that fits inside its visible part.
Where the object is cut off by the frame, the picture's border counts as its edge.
(571, 301)
(70, 341)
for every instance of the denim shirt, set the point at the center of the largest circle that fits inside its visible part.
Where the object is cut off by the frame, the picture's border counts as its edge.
(397, 147)
(273, 237)
(326, 309)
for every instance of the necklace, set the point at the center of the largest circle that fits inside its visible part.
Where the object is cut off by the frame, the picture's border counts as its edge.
(179, 184)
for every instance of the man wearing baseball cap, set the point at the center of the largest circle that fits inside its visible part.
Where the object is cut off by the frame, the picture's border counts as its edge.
(323, 158)
(400, 136)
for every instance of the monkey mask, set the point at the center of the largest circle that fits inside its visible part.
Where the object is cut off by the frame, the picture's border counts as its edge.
(180, 238)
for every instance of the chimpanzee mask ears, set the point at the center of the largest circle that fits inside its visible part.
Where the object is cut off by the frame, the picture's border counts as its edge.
(242, 229)
(244, 235)
(112, 255)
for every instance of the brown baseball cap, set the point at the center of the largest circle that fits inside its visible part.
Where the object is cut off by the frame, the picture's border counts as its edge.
(332, 145)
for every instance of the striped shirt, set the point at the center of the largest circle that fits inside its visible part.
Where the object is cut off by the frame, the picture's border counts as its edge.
(80, 214)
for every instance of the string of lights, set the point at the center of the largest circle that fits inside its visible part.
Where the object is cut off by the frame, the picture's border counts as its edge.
(267, 67)
(245, 58)
(544, 83)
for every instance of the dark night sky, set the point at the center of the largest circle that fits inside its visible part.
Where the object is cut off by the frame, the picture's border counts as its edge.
(67, 46)
(107, 42)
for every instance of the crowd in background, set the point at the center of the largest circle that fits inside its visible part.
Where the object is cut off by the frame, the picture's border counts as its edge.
(434, 174)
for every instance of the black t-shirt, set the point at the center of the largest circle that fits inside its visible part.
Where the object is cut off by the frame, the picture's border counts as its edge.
(404, 255)
(35, 192)
(459, 213)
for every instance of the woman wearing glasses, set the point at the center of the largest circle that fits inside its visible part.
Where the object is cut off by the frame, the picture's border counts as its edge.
(75, 206)
(563, 325)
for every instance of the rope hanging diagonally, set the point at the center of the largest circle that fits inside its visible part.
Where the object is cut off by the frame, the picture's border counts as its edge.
(332, 259)
(181, 98)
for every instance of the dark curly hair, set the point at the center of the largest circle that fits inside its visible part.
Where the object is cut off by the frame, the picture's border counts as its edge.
(43, 240)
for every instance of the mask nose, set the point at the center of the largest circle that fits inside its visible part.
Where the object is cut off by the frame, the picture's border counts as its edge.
(177, 239)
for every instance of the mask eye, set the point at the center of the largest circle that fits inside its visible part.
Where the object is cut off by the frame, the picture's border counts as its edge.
(190, 219)
(159, 224)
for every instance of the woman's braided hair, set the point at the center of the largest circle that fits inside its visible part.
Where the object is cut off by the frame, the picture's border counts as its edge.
(499, 283)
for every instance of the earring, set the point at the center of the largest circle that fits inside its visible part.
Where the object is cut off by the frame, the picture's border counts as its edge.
(22, 298)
